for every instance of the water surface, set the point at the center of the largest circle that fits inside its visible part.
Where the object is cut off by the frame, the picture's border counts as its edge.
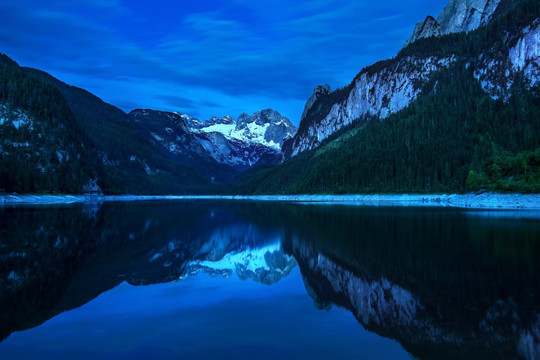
(192, 279)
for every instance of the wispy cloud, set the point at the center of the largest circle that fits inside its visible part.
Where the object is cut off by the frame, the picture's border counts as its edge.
(206, 57)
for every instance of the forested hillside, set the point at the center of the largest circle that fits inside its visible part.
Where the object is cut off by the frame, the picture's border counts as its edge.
(57, 138)
(41, 146)
(127, 160)
(454, 137)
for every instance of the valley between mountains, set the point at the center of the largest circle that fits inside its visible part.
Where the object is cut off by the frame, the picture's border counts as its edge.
(456, 110)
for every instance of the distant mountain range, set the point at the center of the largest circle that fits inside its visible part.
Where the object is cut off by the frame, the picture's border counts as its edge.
(60, 138)
(456, 109)
(238, 144)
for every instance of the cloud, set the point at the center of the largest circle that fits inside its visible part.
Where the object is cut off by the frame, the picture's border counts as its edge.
(217, 55)
(389, 18)
(178, 101)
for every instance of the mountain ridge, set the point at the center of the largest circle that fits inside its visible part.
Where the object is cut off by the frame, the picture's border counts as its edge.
(144, 152)
(266, 127)
(390, 85)
(457, 16)
(469, 94)
(237, 144)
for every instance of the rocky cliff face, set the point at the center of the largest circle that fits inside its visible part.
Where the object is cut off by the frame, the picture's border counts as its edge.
(319, 91)
(389, 86)
(457, 16)
(427, 28)
(520, 63)
(373, 93)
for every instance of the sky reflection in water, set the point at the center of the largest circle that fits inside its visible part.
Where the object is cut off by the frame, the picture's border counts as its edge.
(203, 317)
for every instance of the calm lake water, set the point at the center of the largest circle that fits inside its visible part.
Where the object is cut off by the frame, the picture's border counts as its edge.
(230, 280)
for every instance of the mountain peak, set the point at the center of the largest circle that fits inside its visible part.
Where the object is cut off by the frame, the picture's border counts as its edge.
(453, 16)
(457, 16)
(214, 120)
(318, 91)
(267, 124)
(146, 115)
(265, 127)
(427, 28)
(191, 122)
(262, 117)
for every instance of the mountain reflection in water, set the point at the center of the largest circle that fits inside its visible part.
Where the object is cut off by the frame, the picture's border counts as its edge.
(444, 283)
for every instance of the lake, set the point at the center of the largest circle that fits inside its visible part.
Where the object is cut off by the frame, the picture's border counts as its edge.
(230, 280)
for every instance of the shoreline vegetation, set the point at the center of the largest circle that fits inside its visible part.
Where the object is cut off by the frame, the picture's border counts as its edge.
(486, 200)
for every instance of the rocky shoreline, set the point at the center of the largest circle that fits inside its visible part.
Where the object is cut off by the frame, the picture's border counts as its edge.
(472, 201)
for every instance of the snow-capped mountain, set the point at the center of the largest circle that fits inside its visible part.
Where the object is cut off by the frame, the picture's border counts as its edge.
(210, 146)
(389, 86)
(241, 143)
(266, 265)
(265, 127)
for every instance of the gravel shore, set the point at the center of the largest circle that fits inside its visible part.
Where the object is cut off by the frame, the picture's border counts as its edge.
(473, 201)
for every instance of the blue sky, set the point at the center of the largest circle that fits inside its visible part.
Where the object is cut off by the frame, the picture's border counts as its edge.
(207, 57)
(203, 317)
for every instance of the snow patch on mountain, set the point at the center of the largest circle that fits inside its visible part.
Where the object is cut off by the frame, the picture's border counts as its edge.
(251, 259)
(252, 133)
(225, 129)
(241, 143)
(236, 153)
(265, 127)
(267, 264)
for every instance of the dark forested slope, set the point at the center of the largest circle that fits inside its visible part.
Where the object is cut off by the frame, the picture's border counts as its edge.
(59, 138)
(464, 131)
